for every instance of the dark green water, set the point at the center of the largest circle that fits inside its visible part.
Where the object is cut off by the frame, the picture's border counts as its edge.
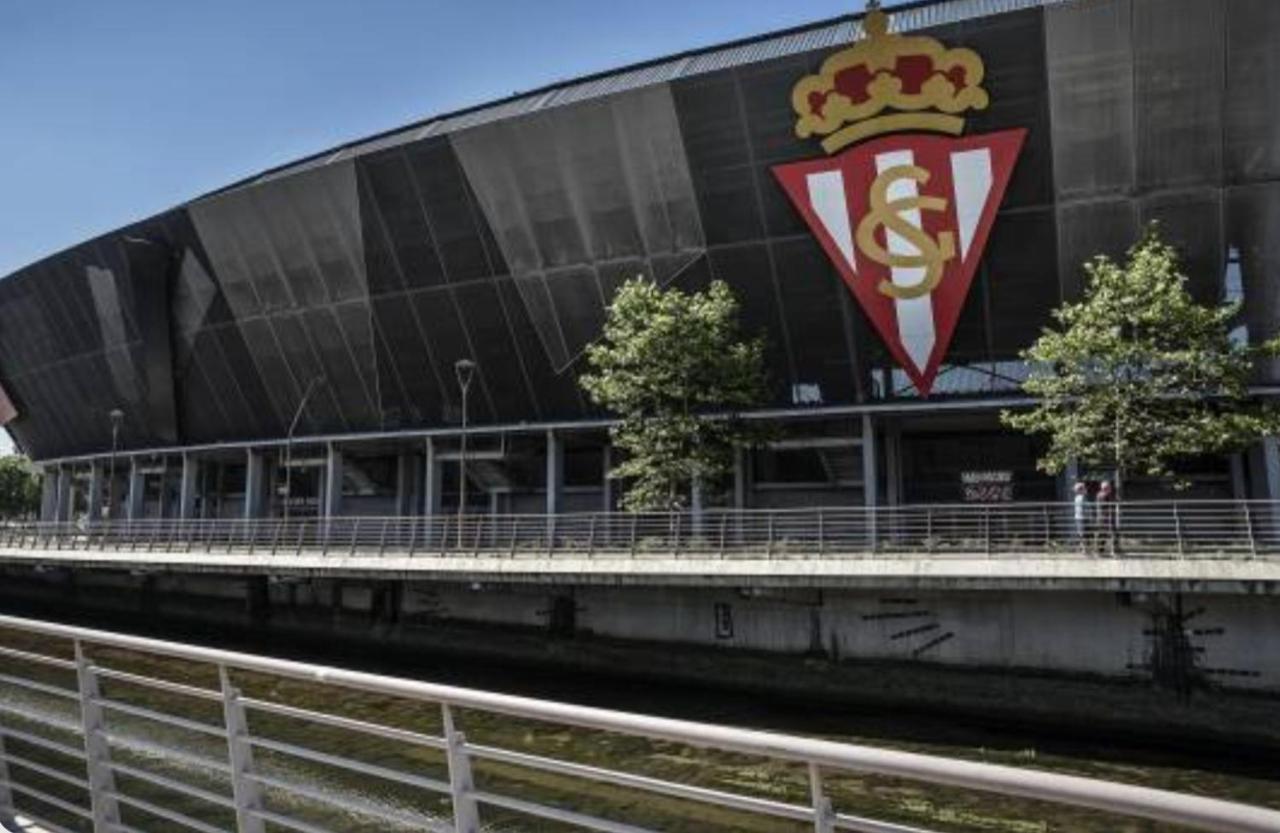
(1217, 773)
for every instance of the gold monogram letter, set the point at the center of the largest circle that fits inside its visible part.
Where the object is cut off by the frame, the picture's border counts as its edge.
(930, 254)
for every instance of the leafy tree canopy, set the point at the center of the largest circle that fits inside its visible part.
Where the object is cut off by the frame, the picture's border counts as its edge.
(667, 360)
(1137, 375)
(19, 487)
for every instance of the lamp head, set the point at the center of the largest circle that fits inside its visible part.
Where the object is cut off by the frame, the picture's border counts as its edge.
(464, 369)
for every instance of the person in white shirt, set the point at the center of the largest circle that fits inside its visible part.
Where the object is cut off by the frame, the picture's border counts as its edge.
(1080, 509)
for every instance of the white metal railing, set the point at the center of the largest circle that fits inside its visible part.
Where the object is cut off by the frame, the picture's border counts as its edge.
(80, 772)
(1167, 529)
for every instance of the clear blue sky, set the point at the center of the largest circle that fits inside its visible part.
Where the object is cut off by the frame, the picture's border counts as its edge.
(111, 110)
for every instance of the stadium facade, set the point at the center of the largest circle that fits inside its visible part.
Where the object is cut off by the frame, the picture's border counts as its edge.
(898, 203)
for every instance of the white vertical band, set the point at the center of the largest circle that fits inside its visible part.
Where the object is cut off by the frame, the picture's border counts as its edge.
(915, 315)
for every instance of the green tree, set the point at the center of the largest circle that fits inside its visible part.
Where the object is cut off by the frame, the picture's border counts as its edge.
(1137, 375)
(674, 368)
(19, 487)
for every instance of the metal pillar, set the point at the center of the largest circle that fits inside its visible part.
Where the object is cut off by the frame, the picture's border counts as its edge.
(244, 790)
(254, 483)
(137, 491)
(93, 507)
(432, 481)
(406, 465)
(893, 464)
(1238, 489)
(739, 478)
(1067, 481)
(1271, 466)
(97, 752)
(870, 491)
(49, 494)
(466, 817)
(333, 482)
(555, 473)
(188, 485)
(695, 505)
(62, 506)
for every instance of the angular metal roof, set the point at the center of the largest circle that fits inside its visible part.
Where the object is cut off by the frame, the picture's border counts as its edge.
(821, 35)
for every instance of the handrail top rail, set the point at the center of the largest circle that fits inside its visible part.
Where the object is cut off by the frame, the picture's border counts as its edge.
(1006, 507)
(1199, 811)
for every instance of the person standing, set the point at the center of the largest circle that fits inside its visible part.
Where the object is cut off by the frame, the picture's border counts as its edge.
(1080, 511)
(1106, 514)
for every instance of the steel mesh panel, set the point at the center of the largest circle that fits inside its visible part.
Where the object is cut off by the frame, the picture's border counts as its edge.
(573, 193)
(1090, 79)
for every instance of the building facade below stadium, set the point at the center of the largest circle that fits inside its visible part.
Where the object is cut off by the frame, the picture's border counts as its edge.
(898, 201)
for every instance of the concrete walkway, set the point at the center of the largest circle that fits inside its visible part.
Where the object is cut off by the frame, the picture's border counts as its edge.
(954, 571)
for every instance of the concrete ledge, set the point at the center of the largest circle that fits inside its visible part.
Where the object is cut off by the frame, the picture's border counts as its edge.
(958, 571)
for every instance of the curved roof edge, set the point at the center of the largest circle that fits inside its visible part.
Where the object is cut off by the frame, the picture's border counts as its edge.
(757, 48)
(829, 33)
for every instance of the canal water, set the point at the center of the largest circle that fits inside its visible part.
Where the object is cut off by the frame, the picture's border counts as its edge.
(342, 801)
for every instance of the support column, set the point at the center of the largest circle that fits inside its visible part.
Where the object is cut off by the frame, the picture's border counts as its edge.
(333, 482)
(739, 478)
(893, 464)
(1238, 489)
(255, 470)
(187, 486)
(406, 463)
(137, 491)
(432, 481)
(93, 502)
(870, 493)
(555, 473)
(1271, 466)
(49, 494)
(62, 511)
(1067, 481)
(695, 505)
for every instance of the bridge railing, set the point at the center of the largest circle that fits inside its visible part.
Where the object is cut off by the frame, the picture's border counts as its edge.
(1169, 529)
(116, 734)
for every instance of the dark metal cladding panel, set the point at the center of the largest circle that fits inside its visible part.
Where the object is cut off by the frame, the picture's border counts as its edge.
(152, 270)
(1091, 86)
(1179, 61)
(288, 255)
(1251, 108)
(575, 193)
(90, 330)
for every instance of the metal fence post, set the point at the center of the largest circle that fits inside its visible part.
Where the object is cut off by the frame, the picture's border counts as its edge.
(97, 752)
(1177, 528)
(244, 790)
(986, 528)
(1248, 523)
(466, 816)
(824, 815)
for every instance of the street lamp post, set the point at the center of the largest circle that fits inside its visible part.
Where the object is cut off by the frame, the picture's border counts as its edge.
(288, 442)
(117, 417)
(465, 370)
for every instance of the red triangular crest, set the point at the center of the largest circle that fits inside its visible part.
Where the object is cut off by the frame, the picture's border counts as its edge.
(905, 219)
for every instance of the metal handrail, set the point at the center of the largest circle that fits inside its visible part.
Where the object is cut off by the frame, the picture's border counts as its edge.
(1167, 529)
(822, 758)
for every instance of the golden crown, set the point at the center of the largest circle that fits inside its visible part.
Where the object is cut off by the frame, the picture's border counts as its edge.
(846, 101)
